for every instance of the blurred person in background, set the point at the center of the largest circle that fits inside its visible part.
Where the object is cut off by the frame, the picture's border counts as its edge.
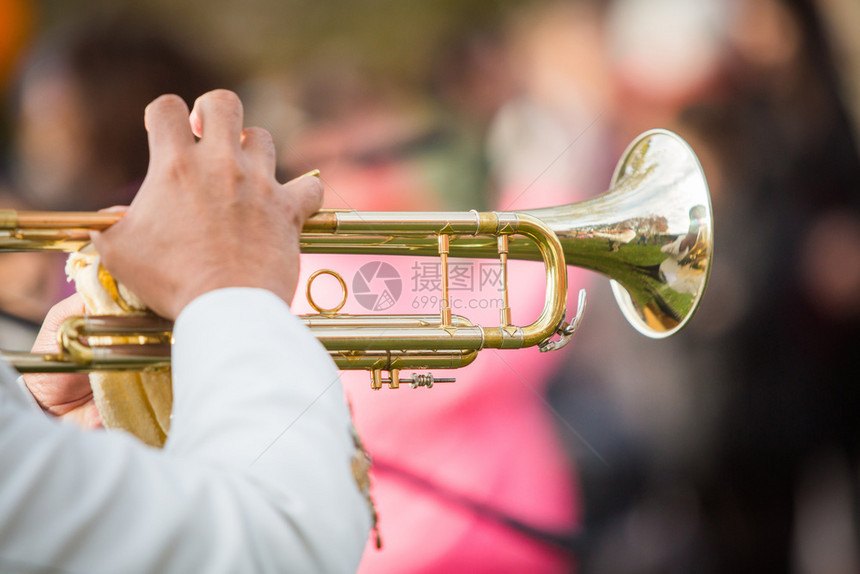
(789, 435)
(469, 476)
(551, 142)
(76, 108)
(16, 28)
(733, 447)
(379, 145)
(77, 140)
(538, 91)
(18, 272)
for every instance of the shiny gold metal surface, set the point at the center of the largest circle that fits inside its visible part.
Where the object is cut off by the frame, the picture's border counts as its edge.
(309, 295)
(651, 233)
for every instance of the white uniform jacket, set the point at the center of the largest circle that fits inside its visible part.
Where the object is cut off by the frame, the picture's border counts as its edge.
(255, 475)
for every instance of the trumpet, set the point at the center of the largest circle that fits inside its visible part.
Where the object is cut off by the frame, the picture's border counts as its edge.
(651, 233)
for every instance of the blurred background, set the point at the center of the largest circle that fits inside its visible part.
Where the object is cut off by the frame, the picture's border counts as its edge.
(730, 447)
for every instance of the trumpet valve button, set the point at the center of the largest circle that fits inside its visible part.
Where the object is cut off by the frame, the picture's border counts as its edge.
(394, 379)
(375, 380)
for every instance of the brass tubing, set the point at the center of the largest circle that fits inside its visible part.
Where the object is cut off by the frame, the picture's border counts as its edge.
(379, 338)
(548, 248)
(445, 307)
(505, 313)
(96, 221)
(118, 358)
(348, 321)
(378, 334)
(403, 360)
(135, 358)
(8, 219)
(651, 234)
(395, 223)
(146, 324)
(556, 284)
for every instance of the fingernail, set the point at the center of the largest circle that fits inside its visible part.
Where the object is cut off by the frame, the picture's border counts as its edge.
(311, 173)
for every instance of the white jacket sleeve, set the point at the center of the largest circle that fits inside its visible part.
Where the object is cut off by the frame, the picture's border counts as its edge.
(255, 476)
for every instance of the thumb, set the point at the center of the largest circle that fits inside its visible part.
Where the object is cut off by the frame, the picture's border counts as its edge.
(307, 189)
(46, 340)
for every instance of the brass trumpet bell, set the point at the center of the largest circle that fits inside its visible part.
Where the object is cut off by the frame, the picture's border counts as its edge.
(651, 233)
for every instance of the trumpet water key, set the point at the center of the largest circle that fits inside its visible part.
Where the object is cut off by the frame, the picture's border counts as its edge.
(651, 233)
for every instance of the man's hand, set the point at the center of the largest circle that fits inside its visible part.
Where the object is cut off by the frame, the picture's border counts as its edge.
(210, 213)
(67, 396)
